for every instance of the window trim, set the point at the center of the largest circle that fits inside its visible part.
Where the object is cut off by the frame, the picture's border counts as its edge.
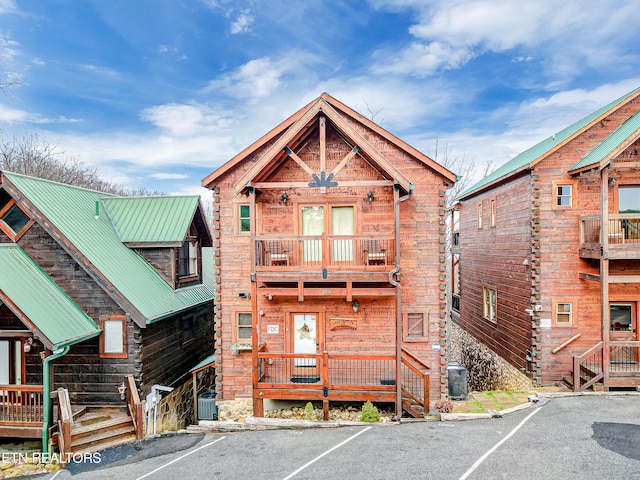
(493, 212)
(101, 323)
(237, 339)
(4, 226)
(479, 215)
(424, 336)
(488, 308)
(564, 301)
(556, 196)
(239, 218)
(194, 242)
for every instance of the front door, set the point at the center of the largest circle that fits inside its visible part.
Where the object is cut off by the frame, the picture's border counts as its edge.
(304, 335)
(623, 328)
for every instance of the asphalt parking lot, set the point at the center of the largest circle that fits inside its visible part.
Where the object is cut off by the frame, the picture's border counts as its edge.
(574, 437)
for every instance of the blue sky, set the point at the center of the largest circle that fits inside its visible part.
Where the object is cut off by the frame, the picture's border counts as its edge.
(159, 93)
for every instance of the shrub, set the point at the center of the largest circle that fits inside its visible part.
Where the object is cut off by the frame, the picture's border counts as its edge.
(308, 411)
(369, 413)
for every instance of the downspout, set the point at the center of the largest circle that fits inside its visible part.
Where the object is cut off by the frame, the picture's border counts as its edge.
(396, 273)
(46, 400)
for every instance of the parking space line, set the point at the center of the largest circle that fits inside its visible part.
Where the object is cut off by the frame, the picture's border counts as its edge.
(180, 458)
(326, 453)
(497, 445)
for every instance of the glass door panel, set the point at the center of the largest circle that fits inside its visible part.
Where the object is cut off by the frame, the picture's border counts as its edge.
(342, 223)
(312, 224)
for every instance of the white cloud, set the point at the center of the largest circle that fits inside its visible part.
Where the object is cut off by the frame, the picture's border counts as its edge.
(243, 23)
(169, 176)
(8, 6)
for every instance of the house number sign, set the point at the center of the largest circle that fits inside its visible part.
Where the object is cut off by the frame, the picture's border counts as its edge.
(273, 328)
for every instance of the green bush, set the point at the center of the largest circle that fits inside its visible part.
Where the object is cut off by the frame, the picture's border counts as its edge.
(308, 411)
(369, 413)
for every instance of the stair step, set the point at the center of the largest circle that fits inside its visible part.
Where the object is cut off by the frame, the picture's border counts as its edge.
(101, 437)
(115, 442)
(82, 429)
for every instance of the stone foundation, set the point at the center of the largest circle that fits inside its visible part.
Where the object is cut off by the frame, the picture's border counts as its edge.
(486, 369)
(237, 410)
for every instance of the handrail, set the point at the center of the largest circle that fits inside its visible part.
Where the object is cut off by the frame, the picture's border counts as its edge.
(577, 368)
(65, 419)
(423, 378)
(135, 406)
(414, 358)
(565, 343)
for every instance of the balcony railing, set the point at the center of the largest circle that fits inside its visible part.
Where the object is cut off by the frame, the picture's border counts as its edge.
(621, 229)
(325, 251)
(21, 405)
(623, 368)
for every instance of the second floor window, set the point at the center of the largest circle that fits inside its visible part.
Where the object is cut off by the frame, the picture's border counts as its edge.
(480, 215)
(189, 258)
(245, 218)
(564, 314)
(563, 196)
(493, 213)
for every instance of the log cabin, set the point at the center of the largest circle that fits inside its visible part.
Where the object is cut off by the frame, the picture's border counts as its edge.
(548, 254)
(330, 266)
(101, 297)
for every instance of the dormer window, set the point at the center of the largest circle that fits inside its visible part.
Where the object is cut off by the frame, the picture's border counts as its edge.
(189, 258)
(13, 221)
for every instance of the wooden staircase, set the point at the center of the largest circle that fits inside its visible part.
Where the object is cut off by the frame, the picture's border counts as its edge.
(101, 428)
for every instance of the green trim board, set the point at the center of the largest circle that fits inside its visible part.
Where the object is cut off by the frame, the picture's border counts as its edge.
(25, 287)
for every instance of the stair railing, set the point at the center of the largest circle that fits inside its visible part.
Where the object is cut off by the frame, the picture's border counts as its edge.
(65, 419)
(588, 368)
(135, 406)
(415, 380)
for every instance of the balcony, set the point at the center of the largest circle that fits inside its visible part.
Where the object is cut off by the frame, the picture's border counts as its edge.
(21, 411)
(623, 237)
(357, 258)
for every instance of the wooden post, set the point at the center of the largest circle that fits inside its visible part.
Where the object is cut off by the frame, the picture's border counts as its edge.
(604, 270)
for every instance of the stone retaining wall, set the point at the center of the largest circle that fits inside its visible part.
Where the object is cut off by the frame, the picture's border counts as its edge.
(237, 410)
(487, 370)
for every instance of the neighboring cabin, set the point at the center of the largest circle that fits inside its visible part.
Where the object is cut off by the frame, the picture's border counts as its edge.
(330, 266)
(547, 254)
(95, 288)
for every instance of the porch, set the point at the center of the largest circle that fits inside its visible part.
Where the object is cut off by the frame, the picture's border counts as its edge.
(342, 377)
(623, 236)
(616, 364)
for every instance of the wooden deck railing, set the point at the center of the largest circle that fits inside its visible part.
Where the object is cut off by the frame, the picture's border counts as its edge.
(621, 229)
(338, 372)
(135, 406)
(65, 419)
(21, 405)
(588, 368)
(324, 251)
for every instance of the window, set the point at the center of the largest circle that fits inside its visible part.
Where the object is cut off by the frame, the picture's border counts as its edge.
(564, 196)
(489, 304)
(564, 314)
(189, 258)
(415, 327)
(13, 221)
(244, 213)
(492, 213)
(243, 328)
(113, 340)
(187, 329)
(480, 215)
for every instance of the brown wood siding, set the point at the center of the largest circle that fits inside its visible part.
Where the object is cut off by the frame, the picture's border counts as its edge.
(493, 257)
(162, 260)
(422, 250)
(167, 354)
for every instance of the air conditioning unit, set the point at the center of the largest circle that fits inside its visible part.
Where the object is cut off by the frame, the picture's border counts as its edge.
(207, 408)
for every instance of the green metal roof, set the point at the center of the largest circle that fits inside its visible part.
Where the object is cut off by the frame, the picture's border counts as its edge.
(151, 219)
(24, 284)
(72, 210)
(204, 363)
(525, 159)
(619, 136)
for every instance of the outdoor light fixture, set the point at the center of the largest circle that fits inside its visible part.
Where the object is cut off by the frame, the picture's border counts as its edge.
(269, 296)
(370, 196)
(122, 389)
(355, 306)
(284, 198)
(612, 182)
(27, 345)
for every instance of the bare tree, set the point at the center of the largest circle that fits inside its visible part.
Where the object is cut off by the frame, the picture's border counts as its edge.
(30, 155)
